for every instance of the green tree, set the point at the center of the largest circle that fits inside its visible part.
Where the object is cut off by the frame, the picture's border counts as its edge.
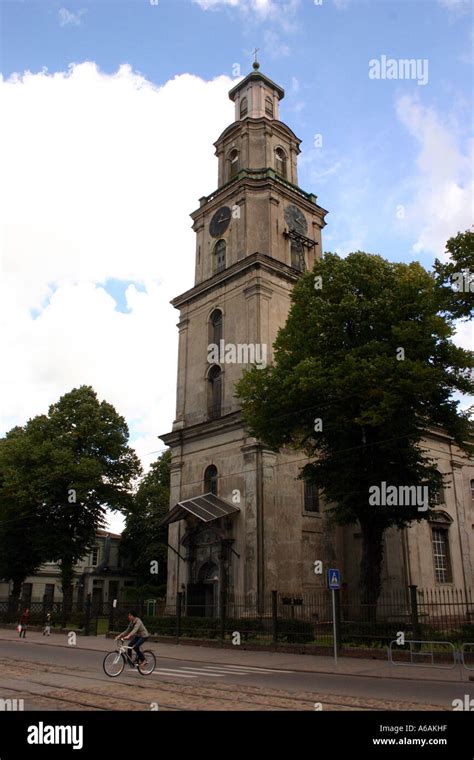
(363, 365)
(143, 541)
(20, 519)
(455, 278)
(78, 464)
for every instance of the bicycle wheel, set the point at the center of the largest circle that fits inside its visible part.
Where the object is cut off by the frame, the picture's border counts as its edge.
(113, 664)
(150, 658)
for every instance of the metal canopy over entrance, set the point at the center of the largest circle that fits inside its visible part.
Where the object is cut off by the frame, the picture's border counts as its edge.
(207, 507)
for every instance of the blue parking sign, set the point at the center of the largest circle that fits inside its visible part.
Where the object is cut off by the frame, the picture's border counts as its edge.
(334, 578)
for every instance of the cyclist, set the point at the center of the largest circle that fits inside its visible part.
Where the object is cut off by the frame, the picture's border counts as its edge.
(137, 632)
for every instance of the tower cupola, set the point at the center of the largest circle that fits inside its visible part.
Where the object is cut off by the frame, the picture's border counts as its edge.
(256, 96)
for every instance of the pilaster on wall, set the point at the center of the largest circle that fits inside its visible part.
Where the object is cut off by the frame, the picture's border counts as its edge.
(258, 296)
(269, 521)
(176, 571)
(252, 564)
(464, 524)
(183, 325)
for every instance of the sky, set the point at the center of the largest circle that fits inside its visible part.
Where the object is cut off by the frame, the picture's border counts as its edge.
(109, 114)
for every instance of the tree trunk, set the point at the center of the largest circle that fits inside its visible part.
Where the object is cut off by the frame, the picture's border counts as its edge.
(67, 576)
(14, 599)
(371, 566)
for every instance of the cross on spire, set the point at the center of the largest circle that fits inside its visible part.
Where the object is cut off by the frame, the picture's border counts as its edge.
(256, 64)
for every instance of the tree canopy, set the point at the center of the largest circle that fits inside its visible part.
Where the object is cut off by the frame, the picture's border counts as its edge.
(144, 542)
(364, 364)
(455, 277)
(61, 471)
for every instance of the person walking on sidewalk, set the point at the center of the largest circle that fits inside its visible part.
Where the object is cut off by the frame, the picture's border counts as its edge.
(47, 625)
(24, 622)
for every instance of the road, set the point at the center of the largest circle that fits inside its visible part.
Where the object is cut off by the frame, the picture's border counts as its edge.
(51, 677)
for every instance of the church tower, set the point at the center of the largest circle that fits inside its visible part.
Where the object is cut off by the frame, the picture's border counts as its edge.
(240, 519)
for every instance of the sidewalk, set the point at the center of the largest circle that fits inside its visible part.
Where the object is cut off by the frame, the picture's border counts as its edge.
(280, 661)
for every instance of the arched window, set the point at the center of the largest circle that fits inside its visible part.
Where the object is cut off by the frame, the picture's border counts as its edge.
(209, 572)
(210, 479)
(280, 162)
(243, 108)
(219, 254)
(311, 497)
(440, 525)
(233, 164)
(214, 396)
(216, 327)
(269, 107)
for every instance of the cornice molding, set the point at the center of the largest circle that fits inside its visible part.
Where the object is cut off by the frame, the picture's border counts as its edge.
(254, 261)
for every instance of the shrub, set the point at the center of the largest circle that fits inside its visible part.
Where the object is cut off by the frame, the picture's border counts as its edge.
(295, 631)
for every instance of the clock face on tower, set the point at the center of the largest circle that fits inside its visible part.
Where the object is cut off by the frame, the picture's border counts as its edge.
(296, 220)
(220, 221)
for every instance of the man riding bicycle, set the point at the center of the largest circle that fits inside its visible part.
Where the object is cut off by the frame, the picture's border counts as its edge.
(137, 632)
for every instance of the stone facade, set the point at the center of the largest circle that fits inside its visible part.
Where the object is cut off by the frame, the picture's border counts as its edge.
(98, 574)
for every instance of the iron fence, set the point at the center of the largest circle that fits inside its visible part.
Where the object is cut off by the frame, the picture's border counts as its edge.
(302, 618)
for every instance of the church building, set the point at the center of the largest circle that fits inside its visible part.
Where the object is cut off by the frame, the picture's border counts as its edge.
(240, 519)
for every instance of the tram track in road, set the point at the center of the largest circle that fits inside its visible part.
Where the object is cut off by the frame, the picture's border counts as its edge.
(169, 695)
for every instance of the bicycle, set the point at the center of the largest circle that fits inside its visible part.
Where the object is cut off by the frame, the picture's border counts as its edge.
(114, 662)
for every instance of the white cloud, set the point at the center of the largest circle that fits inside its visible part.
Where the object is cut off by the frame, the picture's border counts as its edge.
(464, 336)
(455, 4)
(66, 18)
(261, 7)
(274, 47)
(443, 189)
(102, 187)
(280, 12)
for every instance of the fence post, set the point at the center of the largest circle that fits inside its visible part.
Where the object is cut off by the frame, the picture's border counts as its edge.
(414, 615)
(178, 614)
(87, 617)
(337, 605)
(111, 616)
(275, 616)
(222, 610)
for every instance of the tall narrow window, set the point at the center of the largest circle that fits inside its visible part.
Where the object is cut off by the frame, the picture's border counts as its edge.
(95, 555)
(219, 253)
(233, 164)
(311, 497)
(216, 327)
(243, 108)
(214, 397)
(269, 107)
(26, 594)
(280, 162)
(472, 490)
(210, 479)
(442, 562)
(48, 597)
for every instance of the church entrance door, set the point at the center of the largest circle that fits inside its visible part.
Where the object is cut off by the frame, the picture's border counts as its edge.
(202, 596)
